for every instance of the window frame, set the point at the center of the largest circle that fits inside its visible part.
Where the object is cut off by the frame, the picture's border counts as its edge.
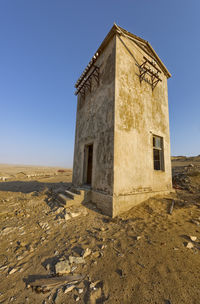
(158, 148)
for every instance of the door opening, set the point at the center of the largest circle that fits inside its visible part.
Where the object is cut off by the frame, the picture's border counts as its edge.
(88, 164)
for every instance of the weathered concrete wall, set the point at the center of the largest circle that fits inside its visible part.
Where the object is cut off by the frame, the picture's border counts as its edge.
(95, 124)
(139, 113)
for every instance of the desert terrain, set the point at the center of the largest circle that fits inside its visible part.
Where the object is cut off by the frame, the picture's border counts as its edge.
(57, 250)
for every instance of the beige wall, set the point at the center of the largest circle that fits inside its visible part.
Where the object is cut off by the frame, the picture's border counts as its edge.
(139, 113)
(95, 124)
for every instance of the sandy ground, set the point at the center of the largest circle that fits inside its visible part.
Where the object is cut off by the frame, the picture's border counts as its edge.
(141, 257)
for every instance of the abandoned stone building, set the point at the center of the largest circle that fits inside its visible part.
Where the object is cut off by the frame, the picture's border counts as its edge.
(122, 142)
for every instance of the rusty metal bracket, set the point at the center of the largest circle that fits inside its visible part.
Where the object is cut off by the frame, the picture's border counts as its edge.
(87, 82)
(148, 68)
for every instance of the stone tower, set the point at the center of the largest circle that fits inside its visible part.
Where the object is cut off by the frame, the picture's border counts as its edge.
(122, 143)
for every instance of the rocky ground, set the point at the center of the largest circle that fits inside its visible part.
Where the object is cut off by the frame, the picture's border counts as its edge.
(57, 252)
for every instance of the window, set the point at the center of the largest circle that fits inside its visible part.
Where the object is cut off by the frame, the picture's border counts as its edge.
(158, 153)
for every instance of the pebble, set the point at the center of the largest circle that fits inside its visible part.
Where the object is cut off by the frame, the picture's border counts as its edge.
(59, 210)
(193, 238)
(87, 252)
(75, 214)
(62, 267)
(12, 270)
(69, 288)
(80, 290)
(7, 230)
(93, 285)
(96, 254)
(67, 217)
(189, 245)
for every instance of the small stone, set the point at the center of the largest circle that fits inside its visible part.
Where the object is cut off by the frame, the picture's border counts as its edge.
(96, 254)
(19, 257)
(69, 288)
(93, 285)
(84, 212)
(76, 298)
(76, 260)
(75, 214)
(193, 238)
(62, 267)
(87, 252)
(196, 222)
(80, 290)
(7, 230)
(138, 238)
(67, 217)
(73, 268)
(102, 229)
(189, 245)
(59, 210)
(12, 270)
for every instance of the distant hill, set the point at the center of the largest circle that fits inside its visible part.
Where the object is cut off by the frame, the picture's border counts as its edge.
(186, 158)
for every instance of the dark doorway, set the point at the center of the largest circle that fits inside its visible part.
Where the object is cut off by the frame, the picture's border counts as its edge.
(89, 158)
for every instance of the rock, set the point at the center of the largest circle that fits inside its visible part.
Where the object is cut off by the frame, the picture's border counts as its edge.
(193, 238)
(138, 238)
(96, 254)
(76, 260)
(87, 252)
(80, 290)
(76, 298)
(75, 214)
(73, 268)
(84, 212)
(189, 245)
(59, 210)
(69, 288)
(13, 270)
(67, 217)
(62, 267)
(7, 230)
(94, 284)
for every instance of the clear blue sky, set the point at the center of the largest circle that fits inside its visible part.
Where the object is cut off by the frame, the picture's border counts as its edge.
(45, 45)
